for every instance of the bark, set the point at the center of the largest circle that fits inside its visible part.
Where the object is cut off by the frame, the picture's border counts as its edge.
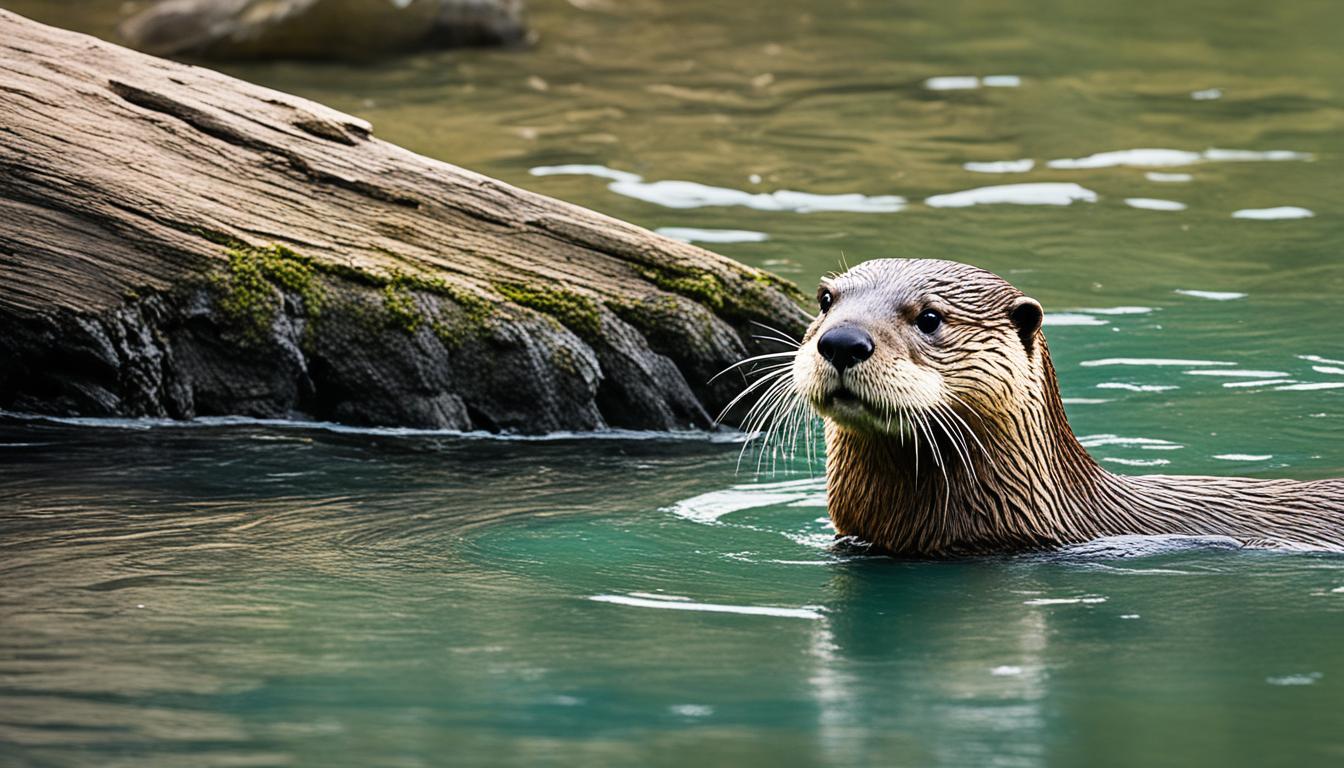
(175, 242)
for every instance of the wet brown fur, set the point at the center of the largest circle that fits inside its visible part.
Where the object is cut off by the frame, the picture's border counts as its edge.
(1021, 481)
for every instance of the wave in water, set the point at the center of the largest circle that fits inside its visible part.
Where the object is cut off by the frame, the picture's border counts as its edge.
(707, 508)
(688, 605)
(1166, 158)
(676, 193)
(1042, 193)
(328, 426)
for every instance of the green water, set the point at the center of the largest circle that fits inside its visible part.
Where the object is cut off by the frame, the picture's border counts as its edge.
(264, 595)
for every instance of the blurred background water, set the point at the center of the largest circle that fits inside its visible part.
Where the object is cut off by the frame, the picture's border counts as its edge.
(251, 594)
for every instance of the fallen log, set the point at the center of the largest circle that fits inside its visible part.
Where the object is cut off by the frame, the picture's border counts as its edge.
(176, 243)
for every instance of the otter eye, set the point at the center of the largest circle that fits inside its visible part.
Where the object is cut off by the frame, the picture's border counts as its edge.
(825, 298)
(928, 321)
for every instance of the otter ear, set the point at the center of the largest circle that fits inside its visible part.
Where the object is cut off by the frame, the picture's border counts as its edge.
(1026, 314)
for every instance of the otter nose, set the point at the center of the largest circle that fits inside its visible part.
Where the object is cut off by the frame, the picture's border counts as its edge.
(845, 346)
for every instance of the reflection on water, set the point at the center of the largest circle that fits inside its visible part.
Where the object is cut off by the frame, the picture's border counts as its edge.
(1159, 158)
(966, 83)
(1001, 166)
(245, 593)
(689, 194)
(1041, 193)
(662, 602)
(1168, 178)
(1212, 295)
(1279, 212)
(254, 594)
(693, 235)
(1154, 204)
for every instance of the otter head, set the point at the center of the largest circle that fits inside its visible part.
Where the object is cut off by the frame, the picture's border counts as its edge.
(904, 339)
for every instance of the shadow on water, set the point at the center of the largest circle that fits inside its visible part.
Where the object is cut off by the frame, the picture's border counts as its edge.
(1176, 651)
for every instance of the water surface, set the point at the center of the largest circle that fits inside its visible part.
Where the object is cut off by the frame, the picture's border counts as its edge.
(274, 596)
(1165, 178)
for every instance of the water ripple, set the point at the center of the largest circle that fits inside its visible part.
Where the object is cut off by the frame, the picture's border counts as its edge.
(1210, 295)
(694, 235)
(677, 605)
(1001, 166)
(1041, 193)
(690, 194)
(1154, 204)
(971, 82)
(1149, 361)
(1273, 214)
(1164, 158)
(216, 422)
(709, 507)
(1073, 318)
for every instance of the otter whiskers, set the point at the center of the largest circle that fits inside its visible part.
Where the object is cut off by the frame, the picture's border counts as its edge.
(775, 334)
(779, 416)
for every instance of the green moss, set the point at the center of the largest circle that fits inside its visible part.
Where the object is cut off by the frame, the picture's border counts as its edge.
(575, 311)
(697, 284)
(251, 286)
(352, 274)
(786, 287)
(743, 299)
(248, 299)
(477, 309)
(402, 311)
(668, 319)
(255, 280)
(294, 273)
(450, 335)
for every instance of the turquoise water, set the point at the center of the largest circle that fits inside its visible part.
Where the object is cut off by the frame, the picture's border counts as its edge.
(260, 594)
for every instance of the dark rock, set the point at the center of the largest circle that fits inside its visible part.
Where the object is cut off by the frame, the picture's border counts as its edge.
(320, 29)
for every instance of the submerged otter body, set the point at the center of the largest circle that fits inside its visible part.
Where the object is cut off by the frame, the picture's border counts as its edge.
(946, 435)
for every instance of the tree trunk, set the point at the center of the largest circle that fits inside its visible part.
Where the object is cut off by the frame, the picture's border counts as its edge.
(177, 243)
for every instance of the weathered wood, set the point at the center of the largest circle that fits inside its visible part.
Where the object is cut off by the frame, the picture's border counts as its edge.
(175, 242)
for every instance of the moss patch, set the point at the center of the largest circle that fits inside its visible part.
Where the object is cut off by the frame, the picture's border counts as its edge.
(256, 279)
(252, 282)
(698, 284)
(295, 274)
(401, 308)
(404, 312)
(478, 310)
(744, 299)
(575, 311)
(786, 287)
(667, 322)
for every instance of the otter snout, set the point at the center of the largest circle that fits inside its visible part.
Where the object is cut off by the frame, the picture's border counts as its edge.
(845, 346)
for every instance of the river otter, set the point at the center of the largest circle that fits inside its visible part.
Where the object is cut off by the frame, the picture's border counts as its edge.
(945, 433)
